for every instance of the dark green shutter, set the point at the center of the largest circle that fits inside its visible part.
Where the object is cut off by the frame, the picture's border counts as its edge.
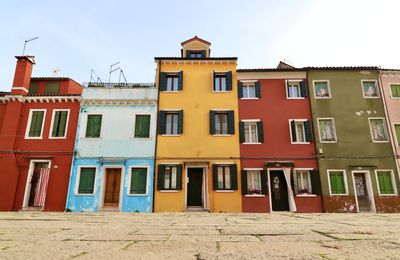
(32, 128)
(180, 80)
(308, 131)
(162, 128)
(160, 177)
(215, 176)
(240, 89)
(257, 88)
(242, 137)
(293, 129)
(179, 177)
(203, 53)
(263, 174)
(212, 122)
(233, 169)
(52, 88)
(142, 126)
(62, 123)
(33, 88)
(138, 181)
(188, 52)
(315, 182)
(56, 123)
(163, 81)
(93, 126)
(243, 177)
(36, 123)
(303, 88)
(295, 182)
(86, 180)
(213, 83)
(229, 80)
(180, 122)
(260, 131)
(231, 122)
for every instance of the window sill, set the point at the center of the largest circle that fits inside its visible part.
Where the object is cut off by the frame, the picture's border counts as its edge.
(322, 97)
(251, 143)
(255, 196)
(170, 91)
(177, 135)
(388, 195)
(92, 138)
(306, 195)
(225, 91)
(301, 143)
(380, 142)
(84, 195)
(344, 194)
(225, 191)
(221, 135)
(33, 138)
(169, 191)
(140, 138)
(371, 97)
(254, 98)
(137, 195)
(296, 98)
(328, 142)
(58, 138)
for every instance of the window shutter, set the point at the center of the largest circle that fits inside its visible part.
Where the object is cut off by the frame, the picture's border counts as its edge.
(38, 124)
(33, 88)
(203, 53)
(180, 80)
(397, 129)
(163, 81)
(295, 183)
(258, 89)
(179, 177)
(260, 131)
(188, 52)
(240, 89)
(243, 175)
(293, 129)
(231, 122)
(308, 131)
(162, 124)
(303, 88)
(180, 122)
(315, 182)
(213, 81)
(32, 128)
(215, 176)
(229, 80)
(340, 183)
(56, 123)
(233, 169)
(287, 88)
(241, 132)
(62, 123)
(212, 122)
(97, 125)
(160, 177)
(263, 176)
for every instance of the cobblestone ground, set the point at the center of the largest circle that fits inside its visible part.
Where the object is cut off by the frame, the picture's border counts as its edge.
(198, 236)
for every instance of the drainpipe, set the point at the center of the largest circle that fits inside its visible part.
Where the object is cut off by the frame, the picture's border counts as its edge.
(155, 145)
(391, 134)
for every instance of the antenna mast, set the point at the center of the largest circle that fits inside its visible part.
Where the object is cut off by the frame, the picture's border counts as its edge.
(26, 41)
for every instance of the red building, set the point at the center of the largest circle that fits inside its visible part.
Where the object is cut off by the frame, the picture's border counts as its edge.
(38, 120)
(279, 167)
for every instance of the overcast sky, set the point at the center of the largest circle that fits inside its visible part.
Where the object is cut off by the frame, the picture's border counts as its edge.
(77, 36)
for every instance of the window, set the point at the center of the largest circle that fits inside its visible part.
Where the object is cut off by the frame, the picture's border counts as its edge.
(138, 181)
(52, 88)
(385, 182)
(171, 122)
(397, 130)
(33, 88)
(169, 177)
(171, 82)
(222, 81)
(142, 126)
(370, 88)
(395, 90)
(378, 129)
(59, 123)
(93, 126)
(224, 177)
(253, 183)
(221, 123)
(87, 176)
(327, 132)
(249, 90)
(337, 182)
(250, 132)
(322, 89)
(300, 131)
(195, 54)
(35, 124)
(303, 181)
(296, 89)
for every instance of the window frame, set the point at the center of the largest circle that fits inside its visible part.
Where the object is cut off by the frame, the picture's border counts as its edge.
(346, 187)
(219, 74)
(172, 75)
(287, 89)
(254, 122)
(170, 189)
(300, 171)
(258, 170)
(52, 123)
(175, 112)
(134, 126)
(223, 165)
(28, 126)
(390, 89)
(319, 131)
(302, 120)
(384, 128)
(246, 85)
(128, 192)
(78, 177)
(329, 89)
(393, 182)
(220, 112)
(376, 87)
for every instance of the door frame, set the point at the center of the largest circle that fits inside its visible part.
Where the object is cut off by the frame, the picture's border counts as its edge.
(103, 184)
(370, 191)
(29, 176)
(269, 188)
(204, 188)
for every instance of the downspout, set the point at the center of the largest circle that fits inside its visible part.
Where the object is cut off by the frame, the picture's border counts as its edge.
(158, 70)
(391, 134)
(16, 159)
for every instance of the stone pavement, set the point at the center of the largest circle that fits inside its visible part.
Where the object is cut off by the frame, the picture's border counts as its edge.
(34, 235)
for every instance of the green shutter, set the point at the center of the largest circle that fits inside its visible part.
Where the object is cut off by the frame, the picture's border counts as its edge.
(180, 122)
(337, 183)
(36, 124)
(163, 81)
(188, 52)
(215, 176)
(93, 127)
(257, 87)
(240, 89)
(212, 122)
(397, 129)
(231, 122)
(395, 90)
(260, 131)
(180, 80)
(233, 169)
(203, 53)
(242, 137)
(33, 124)
(138, 181)
(179, 177)
(142, 126)
(52, 88)
(33, 88)
(160, 177)
(263, 175)
(315, 182)
(162, 128)
(243, 176)
(308, 131)
(385, 183)
(229, 80)
(295, 182)
(293, 129)
(303, 88)
(59, 124)
(86, 180)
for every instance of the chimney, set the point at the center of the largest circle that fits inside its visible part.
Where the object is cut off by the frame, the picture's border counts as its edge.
(22, 76)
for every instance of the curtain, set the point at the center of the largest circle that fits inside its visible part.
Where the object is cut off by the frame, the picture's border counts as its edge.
(292, 203)
(41, 189)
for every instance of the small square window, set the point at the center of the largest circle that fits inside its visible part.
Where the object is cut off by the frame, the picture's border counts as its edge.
(33, 88)
(250, 132)
(93, 126)
(142, 126)
(293, 89)
(337, 182)
(254, 183)
(303, 180)
(370, 89)
(395, 90)
(327, 132)
(86, 180)
(172, 82)
(322, 89)
(138, 185)
(249, 90)
(52, 88)
(378, 130)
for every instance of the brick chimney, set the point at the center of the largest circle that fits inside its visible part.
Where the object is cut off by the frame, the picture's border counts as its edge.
(22, 76)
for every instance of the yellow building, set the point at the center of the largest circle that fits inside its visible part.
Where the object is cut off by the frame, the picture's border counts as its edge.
(197, 154)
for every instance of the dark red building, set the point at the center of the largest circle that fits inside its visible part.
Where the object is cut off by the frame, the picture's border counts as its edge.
(38, 120)
(278, 158)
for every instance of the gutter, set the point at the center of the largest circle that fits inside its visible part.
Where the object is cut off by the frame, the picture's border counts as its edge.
(158, 70)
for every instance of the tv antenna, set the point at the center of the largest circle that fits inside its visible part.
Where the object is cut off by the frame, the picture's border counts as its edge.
(121, 73)
(94, 78)
(26, 41)
(112, 70)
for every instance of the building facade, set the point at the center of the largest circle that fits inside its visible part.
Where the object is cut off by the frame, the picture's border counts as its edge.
(355, 157)
(197, 142)
(279, 168)
(113, 166)
(37, 132)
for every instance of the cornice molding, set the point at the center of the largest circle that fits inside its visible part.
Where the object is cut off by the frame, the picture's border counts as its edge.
(40, 99)
(197, 62)
(118, 102)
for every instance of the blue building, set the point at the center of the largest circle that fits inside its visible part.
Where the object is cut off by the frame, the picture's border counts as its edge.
(113, 165)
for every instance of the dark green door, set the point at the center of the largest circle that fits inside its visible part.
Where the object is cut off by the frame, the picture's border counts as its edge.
(279, 192)
(194, 187)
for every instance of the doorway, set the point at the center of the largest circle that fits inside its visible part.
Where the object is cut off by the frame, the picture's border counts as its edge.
(112, 188)
(363, 191)
(36, 184)
(279, 191)
(195, 187)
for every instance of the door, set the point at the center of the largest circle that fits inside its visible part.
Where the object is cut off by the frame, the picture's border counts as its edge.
(279, 191)
(34, 182)
(362, 192)
(113, 181)
(194, 187)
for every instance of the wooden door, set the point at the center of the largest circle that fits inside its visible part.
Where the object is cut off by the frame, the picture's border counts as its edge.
(113, 182)
(195, 185)
(279, 191)
(361, 192)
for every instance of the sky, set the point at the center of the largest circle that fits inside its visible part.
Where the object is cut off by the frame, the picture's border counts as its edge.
(77, 36)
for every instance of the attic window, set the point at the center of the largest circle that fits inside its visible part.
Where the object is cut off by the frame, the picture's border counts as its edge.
(196, 54)
(52, 88)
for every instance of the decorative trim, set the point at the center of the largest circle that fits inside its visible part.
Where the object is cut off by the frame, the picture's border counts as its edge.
(118, 102)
